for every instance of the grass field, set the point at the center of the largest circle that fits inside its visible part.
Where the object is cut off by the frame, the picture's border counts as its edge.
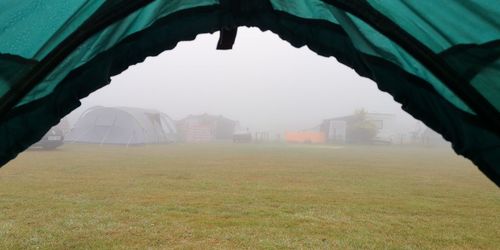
(246, 197)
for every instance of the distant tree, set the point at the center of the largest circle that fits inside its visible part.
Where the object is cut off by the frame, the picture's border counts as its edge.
(360, 129)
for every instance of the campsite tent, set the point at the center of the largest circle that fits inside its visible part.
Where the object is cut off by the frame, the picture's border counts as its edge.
(439, 59)
(122, 125)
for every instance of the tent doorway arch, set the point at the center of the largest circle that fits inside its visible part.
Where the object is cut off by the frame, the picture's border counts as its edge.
(429, 79)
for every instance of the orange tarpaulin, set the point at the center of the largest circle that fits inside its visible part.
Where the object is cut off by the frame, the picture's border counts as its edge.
(305, 137)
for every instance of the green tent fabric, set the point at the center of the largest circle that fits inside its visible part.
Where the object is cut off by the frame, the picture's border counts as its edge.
(439, 59)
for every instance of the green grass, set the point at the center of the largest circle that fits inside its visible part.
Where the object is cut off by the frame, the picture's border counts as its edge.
(246, 196)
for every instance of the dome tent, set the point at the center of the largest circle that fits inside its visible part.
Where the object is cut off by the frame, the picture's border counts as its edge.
(122, 125)
(439, 59)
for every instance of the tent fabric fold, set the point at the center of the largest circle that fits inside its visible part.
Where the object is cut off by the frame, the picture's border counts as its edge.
(460, 99)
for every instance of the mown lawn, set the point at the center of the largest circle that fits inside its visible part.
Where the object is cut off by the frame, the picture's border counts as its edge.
(246, 197)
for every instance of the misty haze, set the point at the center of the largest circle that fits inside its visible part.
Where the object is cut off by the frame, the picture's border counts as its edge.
(264, 83)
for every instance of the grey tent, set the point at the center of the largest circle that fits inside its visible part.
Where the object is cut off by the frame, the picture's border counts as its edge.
(121, 125)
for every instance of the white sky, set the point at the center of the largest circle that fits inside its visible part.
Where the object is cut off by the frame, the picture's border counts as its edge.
(263, 82)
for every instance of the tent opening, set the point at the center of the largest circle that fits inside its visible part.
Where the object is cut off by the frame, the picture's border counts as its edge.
(421, 66)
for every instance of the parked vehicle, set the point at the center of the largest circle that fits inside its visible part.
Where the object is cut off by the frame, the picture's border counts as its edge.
(53, 139)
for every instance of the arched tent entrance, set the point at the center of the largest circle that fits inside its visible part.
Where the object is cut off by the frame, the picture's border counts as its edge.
(440, 60)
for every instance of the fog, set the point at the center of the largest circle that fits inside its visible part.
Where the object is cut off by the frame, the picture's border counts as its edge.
(264, 83)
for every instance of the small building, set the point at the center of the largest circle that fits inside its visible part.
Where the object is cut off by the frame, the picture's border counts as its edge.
(206, 128)
(336, 129)
(122, 125)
